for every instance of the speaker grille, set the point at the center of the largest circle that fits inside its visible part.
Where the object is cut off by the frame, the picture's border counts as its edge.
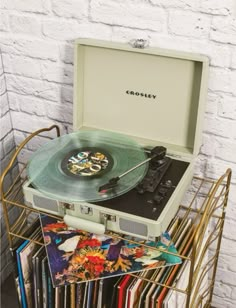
(133, 227)
(44, 203)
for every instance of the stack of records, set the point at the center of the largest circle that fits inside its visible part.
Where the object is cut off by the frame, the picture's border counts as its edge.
(78, 269)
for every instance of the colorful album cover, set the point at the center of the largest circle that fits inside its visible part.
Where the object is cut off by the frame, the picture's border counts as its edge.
(76, 255)
(20, 273)
(27, 271)
(44, 281)
(37, 276)
(50, 290)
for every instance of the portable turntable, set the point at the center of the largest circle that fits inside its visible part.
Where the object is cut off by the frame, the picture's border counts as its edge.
(137, 127)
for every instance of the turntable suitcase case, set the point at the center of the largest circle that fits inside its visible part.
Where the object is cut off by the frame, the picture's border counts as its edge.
(154, 96)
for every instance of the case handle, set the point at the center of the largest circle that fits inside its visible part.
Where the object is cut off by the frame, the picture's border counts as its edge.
(79, 223)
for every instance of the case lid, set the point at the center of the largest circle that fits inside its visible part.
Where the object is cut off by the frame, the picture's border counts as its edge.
(153, 95)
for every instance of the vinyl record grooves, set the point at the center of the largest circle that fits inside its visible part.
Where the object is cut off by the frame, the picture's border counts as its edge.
(72, 167)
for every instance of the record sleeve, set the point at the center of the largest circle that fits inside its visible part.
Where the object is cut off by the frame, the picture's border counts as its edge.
(95, 293)
(27, 232)
(154, 287)
(170, 298)
(107, 291)
(122, 290)
(59, 297)
(90, 294)
(21, 279)
(140, 284)
(18, 289)
(24, 264)
(130, 292)
(76, 256)
(114, 298)
(72, 295)
(184, 242)
(27, 269)
(37, 277)
(79, 295)
(182, 232)
(44, 282)
(145, 290)
(186, 246)
(66, 303)
(136, 290)
(100, 291)
(168, 274)
(85, 294)
(51, 291)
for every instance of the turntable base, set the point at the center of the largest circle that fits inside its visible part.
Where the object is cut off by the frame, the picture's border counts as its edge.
(145, 215)
(149, 205)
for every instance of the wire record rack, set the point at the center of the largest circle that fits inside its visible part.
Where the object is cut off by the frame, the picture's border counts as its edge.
(205, 205)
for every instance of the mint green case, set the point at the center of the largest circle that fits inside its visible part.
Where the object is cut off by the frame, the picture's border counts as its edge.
(153, 95)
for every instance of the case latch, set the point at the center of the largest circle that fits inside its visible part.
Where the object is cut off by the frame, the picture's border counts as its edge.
(139, 43)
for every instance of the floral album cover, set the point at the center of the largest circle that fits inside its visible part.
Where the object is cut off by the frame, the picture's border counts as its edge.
(76, 256)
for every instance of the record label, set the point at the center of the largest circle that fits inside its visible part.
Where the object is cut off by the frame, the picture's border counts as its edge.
(87, 162)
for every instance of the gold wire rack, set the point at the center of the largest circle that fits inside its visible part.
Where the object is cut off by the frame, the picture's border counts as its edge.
(205, 207)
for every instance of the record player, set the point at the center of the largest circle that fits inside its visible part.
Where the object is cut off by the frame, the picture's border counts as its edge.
(137, 125)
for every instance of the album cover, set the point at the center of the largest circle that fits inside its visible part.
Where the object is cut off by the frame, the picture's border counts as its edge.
(166, 275)
(100, 290)
(140, 285)
(161, 279)
(181, 234)
(86, 295)
(21, 279)
(59, 297)
(72, 295)
(24, 266)
(154, 288)
(66, 296)
(170, 273)
(79, 295)
(105, 296)
(122, 290)
(37, 277)
(76, 255)
(173, 227)
(129, 293)
(44, 281)
(146, 288)
(90, 294)
(27, 269)
(51, 293)
(171, 298)
(95, 293)
(107, 291)
(186, 246)
(135, 292)
(114, 297)
(28, 231)
(18, 288)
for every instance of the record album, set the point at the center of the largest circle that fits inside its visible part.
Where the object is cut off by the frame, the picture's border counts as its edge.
(74, 167)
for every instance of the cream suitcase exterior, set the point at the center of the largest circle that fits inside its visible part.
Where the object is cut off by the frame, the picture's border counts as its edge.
(152, 95)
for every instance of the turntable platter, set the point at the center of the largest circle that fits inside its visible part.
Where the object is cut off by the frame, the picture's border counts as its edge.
(72, 167)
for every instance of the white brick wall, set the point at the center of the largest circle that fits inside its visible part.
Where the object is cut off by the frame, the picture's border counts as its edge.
(37, 46)
(189, 24)
(135, 14)
(7, 146)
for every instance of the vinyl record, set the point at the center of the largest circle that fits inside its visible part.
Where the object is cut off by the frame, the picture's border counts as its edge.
(72, 167)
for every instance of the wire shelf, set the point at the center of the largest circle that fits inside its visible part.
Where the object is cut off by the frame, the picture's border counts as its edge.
(205, 208)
